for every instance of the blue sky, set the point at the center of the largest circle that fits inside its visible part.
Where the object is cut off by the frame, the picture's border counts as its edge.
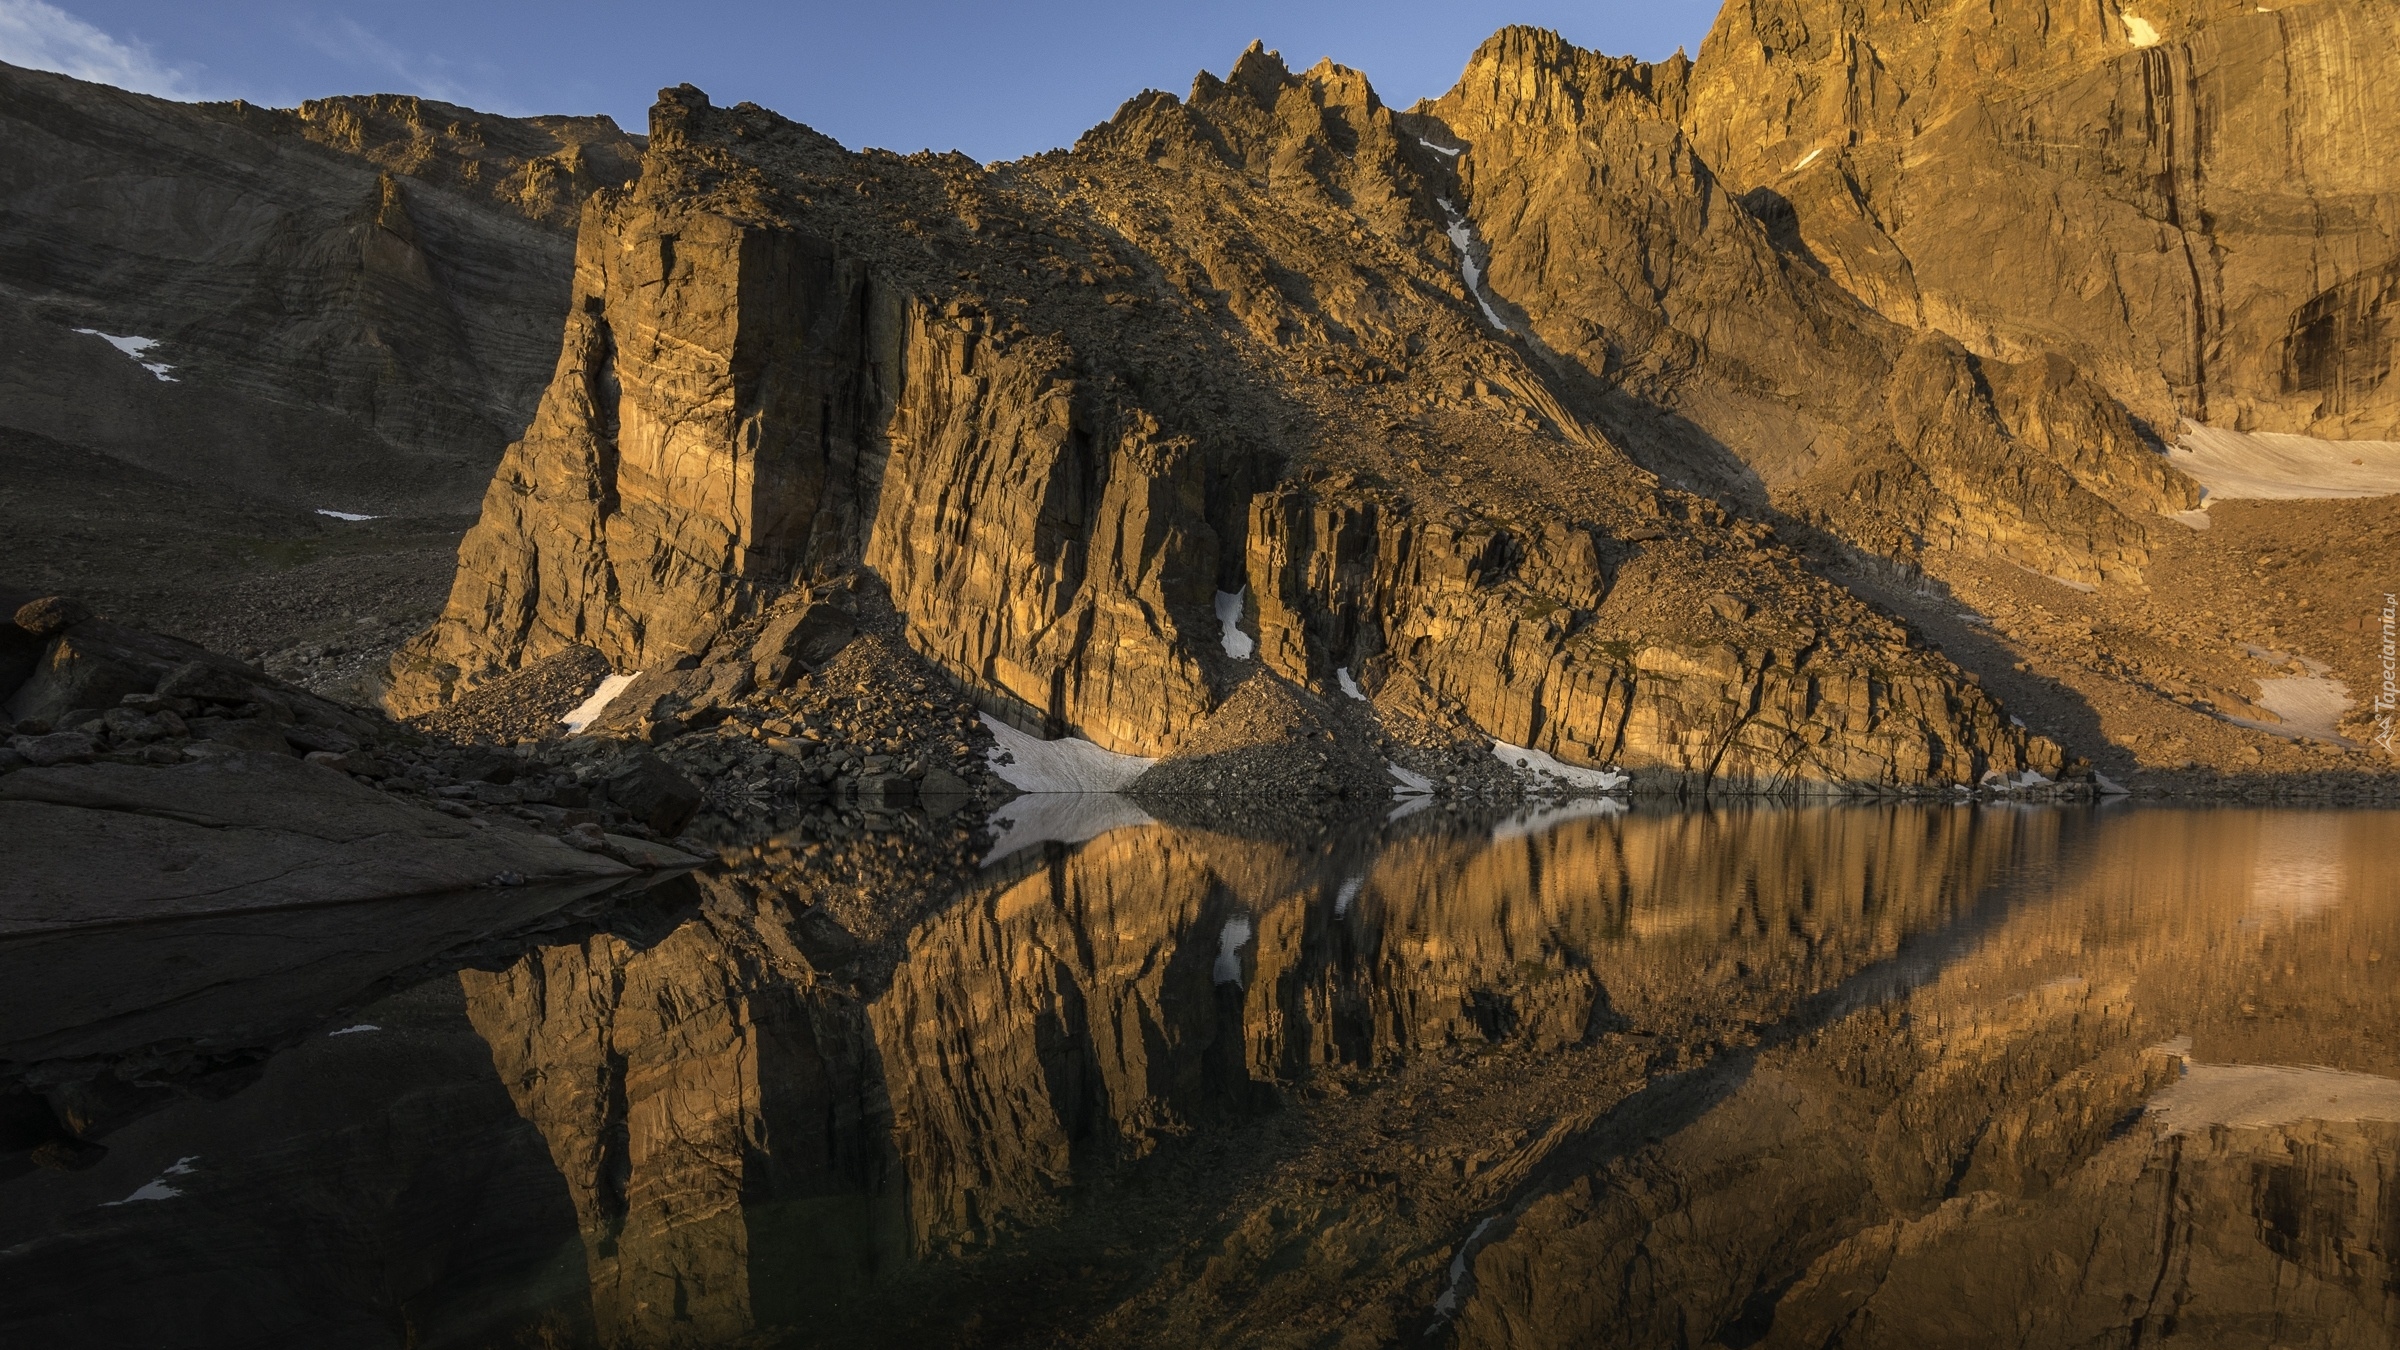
(994, 80)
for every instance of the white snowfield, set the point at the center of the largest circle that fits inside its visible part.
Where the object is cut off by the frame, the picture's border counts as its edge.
(345, 515)
(2236, 1095)
(1409, 783)
(1238, 644)
(588, 711)
(2026, 778)
(1536, 766)
(1349, 686)
(134, 347)
(1071, 764)
(1068, 817)
(2139, 30)
(2271, 466)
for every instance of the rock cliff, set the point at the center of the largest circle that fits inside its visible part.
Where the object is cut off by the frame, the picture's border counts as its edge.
(379, 281)
(1059, 407)
(1626, 257)
(2188, 200)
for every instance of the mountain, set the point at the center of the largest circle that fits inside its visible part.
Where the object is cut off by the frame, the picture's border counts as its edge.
(349, 306)
(1058, 407)
(2188, 200)
(1883, 400)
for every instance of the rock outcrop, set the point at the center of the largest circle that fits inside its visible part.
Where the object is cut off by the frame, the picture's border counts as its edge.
(1734, 363)
(785, 360)
(99, 844)
(352, 305)
(2189, 201)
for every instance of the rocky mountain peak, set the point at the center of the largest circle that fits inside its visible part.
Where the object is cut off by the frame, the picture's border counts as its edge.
(1531, 76)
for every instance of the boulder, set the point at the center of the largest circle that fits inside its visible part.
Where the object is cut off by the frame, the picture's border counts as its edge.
(59, 747)
(75, 671)
(52, 615)
(888, 791)
(798, 640)
(651, 790)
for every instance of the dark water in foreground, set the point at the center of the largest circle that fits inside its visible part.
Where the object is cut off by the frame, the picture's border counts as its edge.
(1810, 1077)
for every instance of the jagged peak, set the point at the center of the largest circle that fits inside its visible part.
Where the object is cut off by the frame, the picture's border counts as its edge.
(1528, 74)
(1260, 73)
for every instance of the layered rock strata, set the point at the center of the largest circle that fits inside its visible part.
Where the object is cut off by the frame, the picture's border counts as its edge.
(1513, 631)
(1732, 362)
(785, 360)
(353, 305)
(2190, 201)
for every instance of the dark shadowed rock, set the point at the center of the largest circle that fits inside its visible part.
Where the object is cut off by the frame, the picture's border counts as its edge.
(107, 843)
(52, 615)
(797, 640)
(58, 747)
(650, 790)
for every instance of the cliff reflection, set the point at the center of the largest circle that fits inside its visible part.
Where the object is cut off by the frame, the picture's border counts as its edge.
(1828, 1076)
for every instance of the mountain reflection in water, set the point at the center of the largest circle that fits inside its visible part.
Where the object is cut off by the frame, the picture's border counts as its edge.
(1843, 1076)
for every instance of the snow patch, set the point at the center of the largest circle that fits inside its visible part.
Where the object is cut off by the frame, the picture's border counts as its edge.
(1462, 238)
(1070, 764)
(1350, 686)
(2310, 704)
(1067, 817)
(1348, 893)
(2108, 786)
(1448, 1302)
(588, 711)
(157, 1188)
(1238, 644)
(345, 515)
(352, 1031)
(134, 347)
(1410, 783)
(2139, 30)
(2271, 466)
(2236, 1095)
(1806, 160)
(1534, 766)
(1229, 950)
(1444, 151)
(2190, 520)
(2013, 782)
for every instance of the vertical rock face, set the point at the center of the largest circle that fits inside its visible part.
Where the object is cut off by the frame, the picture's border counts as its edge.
(1632, 259)
(1050, 548)
(702, 444)
(784, 360)
(2191, 202)
(1465, 613)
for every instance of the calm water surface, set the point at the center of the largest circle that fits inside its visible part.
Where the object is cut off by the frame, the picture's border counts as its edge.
(1808, 1077)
